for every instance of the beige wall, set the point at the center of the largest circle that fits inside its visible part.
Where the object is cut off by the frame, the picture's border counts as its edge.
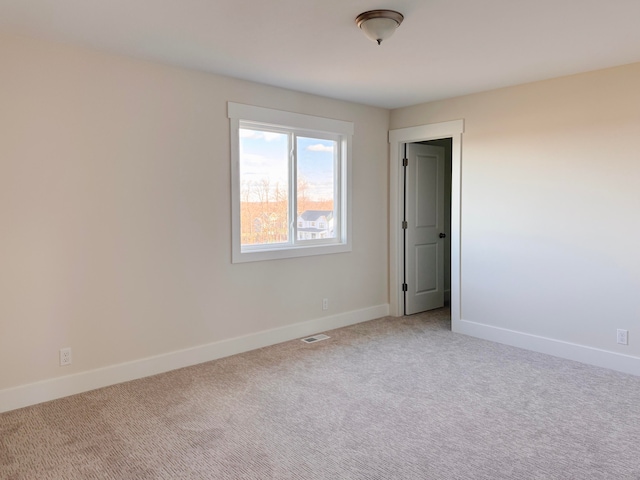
(115, 213)
(550, 206)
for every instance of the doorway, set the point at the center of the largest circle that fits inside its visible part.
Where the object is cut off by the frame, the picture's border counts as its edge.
(452, 130)
(427, 225)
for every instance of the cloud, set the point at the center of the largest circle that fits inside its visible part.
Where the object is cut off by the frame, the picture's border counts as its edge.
(260, 135)
(318, 147)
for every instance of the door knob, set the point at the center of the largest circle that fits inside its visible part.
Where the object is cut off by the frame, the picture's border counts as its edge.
(442, 235)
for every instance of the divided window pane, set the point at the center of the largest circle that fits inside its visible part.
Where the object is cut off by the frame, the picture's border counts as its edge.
(264, 187)
(316, 182)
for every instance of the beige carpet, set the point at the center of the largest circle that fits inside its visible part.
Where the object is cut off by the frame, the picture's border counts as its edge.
(387, 399)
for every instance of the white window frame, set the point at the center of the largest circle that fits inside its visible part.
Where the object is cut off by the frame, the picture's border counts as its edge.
(238, 113)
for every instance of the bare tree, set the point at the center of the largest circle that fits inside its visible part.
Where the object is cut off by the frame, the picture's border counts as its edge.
(303, 188)
(264, 213)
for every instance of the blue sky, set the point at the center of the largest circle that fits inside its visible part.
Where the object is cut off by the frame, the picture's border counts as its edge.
(264, 155)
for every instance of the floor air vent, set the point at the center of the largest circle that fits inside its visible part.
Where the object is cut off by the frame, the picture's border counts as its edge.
(315, 338)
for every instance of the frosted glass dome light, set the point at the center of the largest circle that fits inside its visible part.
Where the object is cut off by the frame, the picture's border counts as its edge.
(379, 25)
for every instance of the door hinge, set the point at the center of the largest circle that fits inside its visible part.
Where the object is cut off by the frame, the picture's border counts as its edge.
(404, 287)
(405, 225)
(405, 162)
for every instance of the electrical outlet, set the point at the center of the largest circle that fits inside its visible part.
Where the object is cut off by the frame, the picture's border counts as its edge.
(325, 304)
(623, 337)
(65, 356)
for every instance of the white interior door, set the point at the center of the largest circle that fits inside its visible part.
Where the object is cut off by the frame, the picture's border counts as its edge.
(424, 230)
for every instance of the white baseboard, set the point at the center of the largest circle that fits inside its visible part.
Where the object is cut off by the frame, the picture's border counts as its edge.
(43, 391)
(571, 351)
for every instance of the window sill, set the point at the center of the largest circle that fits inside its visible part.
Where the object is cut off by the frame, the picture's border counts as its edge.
(289, 252)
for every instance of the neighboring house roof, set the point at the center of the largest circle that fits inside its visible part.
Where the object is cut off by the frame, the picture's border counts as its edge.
(314, 215)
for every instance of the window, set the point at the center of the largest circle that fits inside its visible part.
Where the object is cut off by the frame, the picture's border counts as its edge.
(288, 171)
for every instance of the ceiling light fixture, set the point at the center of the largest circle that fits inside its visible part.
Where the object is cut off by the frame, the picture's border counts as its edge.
(379, 25)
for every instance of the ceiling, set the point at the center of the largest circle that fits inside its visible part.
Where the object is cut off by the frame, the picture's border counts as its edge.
(444, 48)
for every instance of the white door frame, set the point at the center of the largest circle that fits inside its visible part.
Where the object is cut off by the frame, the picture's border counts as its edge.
(397, 138)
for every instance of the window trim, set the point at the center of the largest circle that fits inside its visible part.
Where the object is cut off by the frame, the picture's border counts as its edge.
(247, 113)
